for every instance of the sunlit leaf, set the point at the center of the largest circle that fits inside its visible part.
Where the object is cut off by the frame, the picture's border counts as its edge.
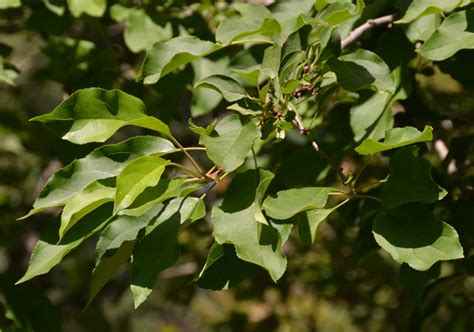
(419, 8)
(90, 7)
(164, 57)
(395, 138)
(104, 162)
(289, 202)
(94, 115)
(232, 144)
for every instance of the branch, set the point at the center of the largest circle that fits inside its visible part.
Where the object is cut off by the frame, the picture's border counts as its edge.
(369, 24)
(325, 157)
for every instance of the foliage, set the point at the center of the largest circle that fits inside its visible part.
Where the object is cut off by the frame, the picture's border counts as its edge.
(272, 88)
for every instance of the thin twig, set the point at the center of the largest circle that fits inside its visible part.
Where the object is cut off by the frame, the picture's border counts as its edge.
(329, 161)
(182, 148)
(369, 24)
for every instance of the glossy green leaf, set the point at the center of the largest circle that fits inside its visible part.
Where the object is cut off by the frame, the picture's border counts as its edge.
(419, 8)
(454, 34)
(236, 222)
(47, 255)
(363, 70)
(90, 7)
(228, 87)
(165, 57)
(223, 269)
(151, 196)
(108, 267)
(138, 175)
(412, 235)
(409, 180)
(4, 4)
(395, 138)
(288, 203)
(158, 249)
(372, 116)
(104, 162)
(256, 21)
(91, 197)
(232, 144)
(94, 115)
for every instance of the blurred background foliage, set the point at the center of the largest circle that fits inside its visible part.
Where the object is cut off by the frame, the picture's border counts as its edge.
(49, 49)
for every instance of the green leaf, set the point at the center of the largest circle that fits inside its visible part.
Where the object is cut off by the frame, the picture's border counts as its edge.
(142, 32)
(47, 255)
(151, 196)
(419, 8)
(237, 222)
(8, 73)
(395, 138)
(289, 202)
(164, 57)
(372, 117)
(412, 235)
(104, 162)
(4, 4)
(123, 229)
(309, 221)
(409, 180)
(230, 147)
(223, 269)
(256, 21)
(138, 175)
(94, 115)
(423, 27)
(206, 100)
(454, 34)
(91, 197)
(229, 88)
(271, 61)
(158, 249)
(363, 70)
(108, 267)
(340, 11)
(90, 7)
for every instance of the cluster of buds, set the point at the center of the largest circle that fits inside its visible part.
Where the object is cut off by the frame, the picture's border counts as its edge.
(273, 114)
(303, 90)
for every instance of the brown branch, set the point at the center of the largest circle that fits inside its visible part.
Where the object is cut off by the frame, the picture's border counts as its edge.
(369, 24)
(325, 157)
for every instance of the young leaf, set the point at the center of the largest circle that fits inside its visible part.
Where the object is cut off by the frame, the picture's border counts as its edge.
(138, 175)
(232, 144)
(104, 162)
(91, 197)
(271, 61)
(90, 7)
(395, 138)
(409, 181)
(94, 115)
(235, 222)
(363, 70)
(340, 11)
(229, 88)
(47, 255)
(289, 202)
(223, 269)
(454, 34)
(4, 4)
(412, 235)
(158, 249)
(255, 19)
(164, 57)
